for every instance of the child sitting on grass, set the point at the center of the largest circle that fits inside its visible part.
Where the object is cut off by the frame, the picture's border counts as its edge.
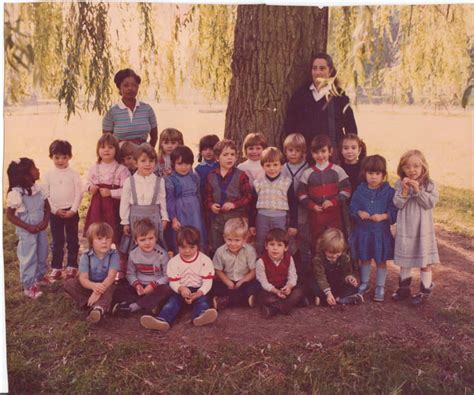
(234, 263)
(334, 281)
(146, 273)
(94, 287)
(190, 276)
(276, 273)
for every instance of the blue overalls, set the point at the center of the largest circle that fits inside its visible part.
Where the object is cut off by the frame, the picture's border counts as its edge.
(32, 249)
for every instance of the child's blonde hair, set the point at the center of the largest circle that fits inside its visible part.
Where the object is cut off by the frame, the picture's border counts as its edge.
(170, 134)
(271, 154)
(108, 139)
(296, 141)
(236, 227)
(253, 139)
(332, 240)
(99, 229)
(425, 174)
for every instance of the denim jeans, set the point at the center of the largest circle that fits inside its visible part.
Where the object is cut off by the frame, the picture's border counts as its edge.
(61, 227)
(239, 295)
(175, 303)
(264, 224)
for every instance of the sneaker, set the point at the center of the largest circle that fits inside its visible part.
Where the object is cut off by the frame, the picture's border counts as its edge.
(352, 299)
(32, 292)
(121, 309)
(206, 317)
(95, 315)
(268, 311)
(220, 302)
(423, 295)
(364, 288)
(55, 274)
(379, 294)
(71, 272)
(150, 322)
(251, 301)
(317, 301)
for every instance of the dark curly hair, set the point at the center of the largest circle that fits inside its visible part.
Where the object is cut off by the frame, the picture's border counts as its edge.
(125, 73)
(19, 174)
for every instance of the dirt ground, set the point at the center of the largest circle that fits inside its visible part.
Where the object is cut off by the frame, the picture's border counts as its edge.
(445, 316)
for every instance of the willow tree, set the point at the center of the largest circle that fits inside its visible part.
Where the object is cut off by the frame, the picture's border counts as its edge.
(273, 46)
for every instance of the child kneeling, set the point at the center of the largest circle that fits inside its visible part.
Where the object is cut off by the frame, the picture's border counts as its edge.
(334, 281)
(146, 273)
(190, 275)
(276, 273)
(94, 287)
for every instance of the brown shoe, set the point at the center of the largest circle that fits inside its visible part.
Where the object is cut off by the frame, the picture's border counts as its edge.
(251, 301)
(220, 302)
(95, 315)
(268, 311)
(207, 317)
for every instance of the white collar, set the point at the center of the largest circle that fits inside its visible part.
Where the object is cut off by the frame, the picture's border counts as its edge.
(122, 105)
(318, 94)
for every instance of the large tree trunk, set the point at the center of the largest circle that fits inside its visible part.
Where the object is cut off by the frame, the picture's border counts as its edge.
(273, 47)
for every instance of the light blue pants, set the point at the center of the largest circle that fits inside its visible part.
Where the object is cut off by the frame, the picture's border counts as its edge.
(32, 251)
(263, 224)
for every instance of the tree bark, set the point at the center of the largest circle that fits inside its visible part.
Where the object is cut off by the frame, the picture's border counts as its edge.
(273, 47)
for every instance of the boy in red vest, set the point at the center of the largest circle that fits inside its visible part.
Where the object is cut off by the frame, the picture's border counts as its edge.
(277, 275)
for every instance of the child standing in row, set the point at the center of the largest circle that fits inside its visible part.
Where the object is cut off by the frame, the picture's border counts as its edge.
(353, 151)
(190, 275)
(170, 138)
(415, 241)
(127, 156)
(28, 209)
(274, 201)
(64, 188)
(228, 192)
(94, 287)
(206, 158)
(254, 144)
(234, 263)
(373, 211)
(183, 199)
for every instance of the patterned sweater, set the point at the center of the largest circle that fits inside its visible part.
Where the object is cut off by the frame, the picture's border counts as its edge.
(197, 273)
(147, 267)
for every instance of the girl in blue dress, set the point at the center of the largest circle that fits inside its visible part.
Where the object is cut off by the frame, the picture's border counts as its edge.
(183, 196)
(206, 158)
(373, 210)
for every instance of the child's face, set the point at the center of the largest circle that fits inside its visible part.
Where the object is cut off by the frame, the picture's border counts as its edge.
(129, 162)
(61, 161)
(254, 152)
(145, 165)
(374, 179)
(276, 249)
(168, 146)
(188, 251)
(332, 256)
(234, 243)
(147, 242)
(321, 155)
(294, 155)
(101, 244)
(182, 168)
(207, 154)
(272, 169)
(227, 158)
(413, 168)
(34, 173)
(107, 153)
(350, 151)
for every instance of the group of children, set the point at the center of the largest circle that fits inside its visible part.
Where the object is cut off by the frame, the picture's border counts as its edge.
(281, 232)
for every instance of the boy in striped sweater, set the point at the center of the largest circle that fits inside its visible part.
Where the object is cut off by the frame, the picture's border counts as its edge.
(190, 275)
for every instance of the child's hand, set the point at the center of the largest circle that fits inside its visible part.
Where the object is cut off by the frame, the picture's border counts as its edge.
(194, 296)
(170, 254)
(378, 217)
(405, 186)
(287, 289)
(415, 185)
(253, 231)
(238, 284)
(230, 284)
(167, 172)
(126, 230)
(164, 223)
(317, 208)
(326, 204)
(93, 299)
(69, 213)
(363, 214)
(330, 299)
(185, 292)
(148, 289)
(93, 189)
(279, 293)
(228, 206)
(140, 290)
(99, 288)
(105, 192)
(61, 213)
(175, 224)
(351, 280)
(216, 208)
(42, 225)
(32, 228)
(292, 232)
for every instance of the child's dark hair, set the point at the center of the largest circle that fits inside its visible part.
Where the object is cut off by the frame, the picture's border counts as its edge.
(277, 234)
(189, 235)
(183, 152)
(320, 141)
(127, 149)
(99, 229)
(143, 226)
(108, 139)
(373, 163)
(358, 140)
(60, 147)
(19, 174)
(208, 141)
(146, 149)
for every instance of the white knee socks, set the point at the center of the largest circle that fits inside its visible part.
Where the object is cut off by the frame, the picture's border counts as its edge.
(405, 272)
(426, 278)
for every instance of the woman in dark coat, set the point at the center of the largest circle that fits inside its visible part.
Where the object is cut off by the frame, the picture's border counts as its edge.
(316, 108)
